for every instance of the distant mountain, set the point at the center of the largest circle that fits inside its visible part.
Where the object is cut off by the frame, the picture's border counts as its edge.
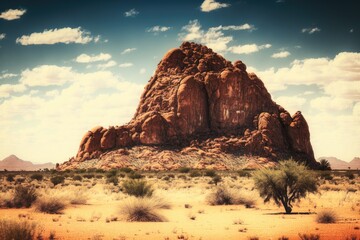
(13, 163)
(341, 164)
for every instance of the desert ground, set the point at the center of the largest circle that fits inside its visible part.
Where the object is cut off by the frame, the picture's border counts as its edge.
(93, 206)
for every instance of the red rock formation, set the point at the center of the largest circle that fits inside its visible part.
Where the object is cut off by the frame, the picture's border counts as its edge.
(198, 99)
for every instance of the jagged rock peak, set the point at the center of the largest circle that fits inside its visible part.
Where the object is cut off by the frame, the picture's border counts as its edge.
(198, 99)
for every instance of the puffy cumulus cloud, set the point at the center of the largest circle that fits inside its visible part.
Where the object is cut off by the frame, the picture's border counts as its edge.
(158, 29)
(58, 118)
(126, 65)
(109, 64)
(291, 103)
(84, 58)
(248, 48)
(331, 103)
(12, 14)
(62, 35)
(7, 89)
(211, 5)
(338, 76)
(47, 75)
(334, 134)
(214, 37)
(128, 50)
(2, 36)
(310, 30)
(282, 54)
(131, 13)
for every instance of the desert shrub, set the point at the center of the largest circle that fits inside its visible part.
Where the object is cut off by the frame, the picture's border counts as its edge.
(12, 230)
(141, 210)
(77, 178)
(79, 198)
(283, 238)
(10, 177)
(52, 205)
(326, 216)
(210, 173)
(99, 176)
(244, 173)
(24, 196)
(37, 176)
(134, 175)
(350, 175)
(114, 180)
(111, 173)
(216, 179)
(125, 170)
(89, 175)
(57, 180)
(324, 165)
(221, 196)
(194, 173)
(287, 183)
(20, 180)
(326, 176)
(309, 236)
(184, 170)
(82, 170)
(137, 188)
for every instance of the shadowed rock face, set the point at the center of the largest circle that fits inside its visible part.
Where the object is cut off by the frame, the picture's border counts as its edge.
(197, 97)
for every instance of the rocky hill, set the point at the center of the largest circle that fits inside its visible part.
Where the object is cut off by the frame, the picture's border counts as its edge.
(13, 163)
(202, 111)
(337, 164)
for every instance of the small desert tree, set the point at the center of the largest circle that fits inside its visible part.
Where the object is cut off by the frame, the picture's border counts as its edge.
(285, 184)
(324, 165)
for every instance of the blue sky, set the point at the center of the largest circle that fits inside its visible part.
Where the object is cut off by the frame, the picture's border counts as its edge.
(67, 66)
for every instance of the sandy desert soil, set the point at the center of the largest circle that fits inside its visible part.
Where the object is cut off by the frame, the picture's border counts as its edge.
(196, 220)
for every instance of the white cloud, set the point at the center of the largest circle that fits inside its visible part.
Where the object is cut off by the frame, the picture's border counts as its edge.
(2, 36)
(214, 37)
(128, 50)
(331, 103)
(310, 30)
(158, 29)
(47, 75)
(131, 13)
(282, 54)
(59, 118)
(109, 64)
(84, 58)
(7, 89)
(142, 71)
(7, 75)
(126, 65)
(291, 103)
(338, 76)
(248, 48)
(211, 5)
(12, 14)
(63, 35)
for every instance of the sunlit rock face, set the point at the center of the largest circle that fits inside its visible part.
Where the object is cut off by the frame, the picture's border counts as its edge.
(198, 99)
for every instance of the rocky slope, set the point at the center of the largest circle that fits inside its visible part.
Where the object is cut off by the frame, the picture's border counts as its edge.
(198, 105)
(13, 163)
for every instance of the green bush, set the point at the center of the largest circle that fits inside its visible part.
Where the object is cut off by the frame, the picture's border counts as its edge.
(37, 176)
(57, 180)
(137, 188)
(12, 230)
(24, 196)
(287, 183)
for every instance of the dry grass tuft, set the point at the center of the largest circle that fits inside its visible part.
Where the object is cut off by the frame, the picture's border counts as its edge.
(141, 210)
(52, 205)
(10, 229)
(224, 196)
(326, 216)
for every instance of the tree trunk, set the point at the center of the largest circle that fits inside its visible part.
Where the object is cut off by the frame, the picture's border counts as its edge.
(288, 209)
